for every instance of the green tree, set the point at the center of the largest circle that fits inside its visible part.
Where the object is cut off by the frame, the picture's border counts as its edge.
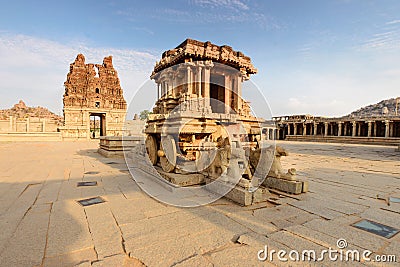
(144, 114)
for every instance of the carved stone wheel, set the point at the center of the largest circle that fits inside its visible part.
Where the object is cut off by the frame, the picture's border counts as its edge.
(168, 145)
(151, 148)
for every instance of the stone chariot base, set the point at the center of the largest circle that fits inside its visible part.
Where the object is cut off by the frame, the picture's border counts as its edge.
(239, 193)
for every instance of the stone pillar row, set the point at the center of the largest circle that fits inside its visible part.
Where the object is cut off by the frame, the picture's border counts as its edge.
(343, 128)
(197, 76)
(271, 134)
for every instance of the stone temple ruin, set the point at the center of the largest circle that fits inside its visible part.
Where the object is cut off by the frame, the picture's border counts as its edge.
(202, 131)
(94, 104)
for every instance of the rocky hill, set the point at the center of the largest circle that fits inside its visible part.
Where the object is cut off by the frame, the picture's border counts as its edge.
(20, 111)
(385, 107)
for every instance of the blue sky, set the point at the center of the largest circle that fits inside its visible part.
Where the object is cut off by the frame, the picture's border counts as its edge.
(318, 57)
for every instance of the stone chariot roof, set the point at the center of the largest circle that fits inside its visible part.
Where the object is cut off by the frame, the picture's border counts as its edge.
(192, 50)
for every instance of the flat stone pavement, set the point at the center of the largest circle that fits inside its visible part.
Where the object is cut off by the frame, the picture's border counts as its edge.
(43, 225)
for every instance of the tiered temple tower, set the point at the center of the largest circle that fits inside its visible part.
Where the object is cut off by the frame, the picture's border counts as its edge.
(94, 104)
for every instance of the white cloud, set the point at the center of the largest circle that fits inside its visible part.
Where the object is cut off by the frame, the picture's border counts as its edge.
(231, 4)
(206, 12)
(393, 22)
(387, 37)
(34, 69)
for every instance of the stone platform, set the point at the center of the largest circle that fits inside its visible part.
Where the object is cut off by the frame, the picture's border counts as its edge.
(390, 141)
(114, 146)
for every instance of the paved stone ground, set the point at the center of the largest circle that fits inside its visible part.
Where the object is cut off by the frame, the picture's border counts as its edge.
(42, 224)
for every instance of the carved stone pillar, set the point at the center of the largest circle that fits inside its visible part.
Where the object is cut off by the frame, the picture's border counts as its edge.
(164, 88)
(359, 129)
(172, 85)
(353, 132)
(207, 82)
(235, 93)
(294, 129)
(326, 125)
(339, 128)
(392, 129)
(239, 91)
(199, 83)
(168, 88)
(304, 129)
(345, 129)
(189, 80)
(375, 128)
(315, 128)
(386, 129)
(369, 128)
(227, 93)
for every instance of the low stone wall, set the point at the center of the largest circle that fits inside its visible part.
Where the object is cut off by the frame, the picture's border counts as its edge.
(391, 141)
(28, 137)
(28, 125)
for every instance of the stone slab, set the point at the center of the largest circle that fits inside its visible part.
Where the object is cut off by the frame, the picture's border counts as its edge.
(115, 260)
(317, 208)
(71, 259)
(27, 245)
(262, 227)
(104, 231)
(10, 219)
(352, 235)
(293, 187)
(68, 229)
(198, 260)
